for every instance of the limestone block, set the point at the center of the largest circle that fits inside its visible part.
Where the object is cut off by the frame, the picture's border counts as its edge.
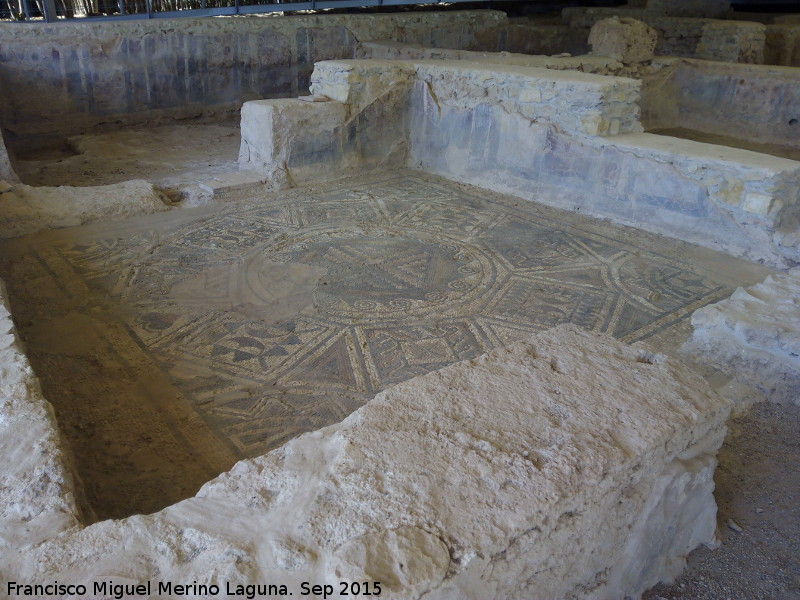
(568, 465)
(6, 163)
(759, 204)
(711, 39)
(359, 83)
(755, 336)
(732, 41)
(27, 209)
(623, 39)
(285, 134)
(573, 102)
(228, 182)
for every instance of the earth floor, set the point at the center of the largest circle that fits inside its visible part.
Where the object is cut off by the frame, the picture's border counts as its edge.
(174, 345)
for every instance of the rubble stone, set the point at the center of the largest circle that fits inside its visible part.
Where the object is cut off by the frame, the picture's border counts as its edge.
(623, 39)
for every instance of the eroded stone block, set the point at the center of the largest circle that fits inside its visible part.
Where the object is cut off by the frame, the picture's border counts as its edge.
(27, 209)
(570, 464)
(228, 182)
(755, 335)
(623, 39)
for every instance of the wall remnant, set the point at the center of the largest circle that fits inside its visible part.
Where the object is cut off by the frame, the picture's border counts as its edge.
(573, 500)
(709, 39)
(755, 336)
(624, 39)
(540, 133)
(65, 78)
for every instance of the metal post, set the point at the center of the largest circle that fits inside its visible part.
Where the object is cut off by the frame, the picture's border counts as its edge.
(149, 6)
(121, 4)
(49, 9)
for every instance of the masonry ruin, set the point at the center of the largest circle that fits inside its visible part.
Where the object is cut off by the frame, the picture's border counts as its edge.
(423, 304)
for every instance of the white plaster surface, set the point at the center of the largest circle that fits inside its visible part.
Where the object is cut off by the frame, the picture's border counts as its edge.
(26, 209)
(570, 465)
(755, 335)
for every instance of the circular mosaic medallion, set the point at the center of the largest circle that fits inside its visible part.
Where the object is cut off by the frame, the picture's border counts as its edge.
(386, 272)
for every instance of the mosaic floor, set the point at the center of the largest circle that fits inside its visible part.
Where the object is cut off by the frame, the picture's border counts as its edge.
(278, 315)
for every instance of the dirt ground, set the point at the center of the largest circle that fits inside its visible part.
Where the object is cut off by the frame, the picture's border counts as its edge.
(175, 158)
(757, 492)
(758, 480)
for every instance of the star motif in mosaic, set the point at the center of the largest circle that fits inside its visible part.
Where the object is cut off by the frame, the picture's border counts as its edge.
(282, 314)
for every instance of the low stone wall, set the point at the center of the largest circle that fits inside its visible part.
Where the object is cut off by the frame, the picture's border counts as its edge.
(382, 50)
(782, 45)
(570, 465)
(296, 140)
(527, 36)
(709, 39)
(564, 138)
(727, 199)
(755, 336)
(27, 209)
(367, 126)
(750, 102)
(63, 78)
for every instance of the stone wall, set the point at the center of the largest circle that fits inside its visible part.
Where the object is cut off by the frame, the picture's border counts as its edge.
(727, 199)
(63, 78)
(564, 138)
(748, 102)
(687, 8)
(710, 39)
(361, 125)
(782, 45)
(366, 124)
(528, 36)
(569, 465)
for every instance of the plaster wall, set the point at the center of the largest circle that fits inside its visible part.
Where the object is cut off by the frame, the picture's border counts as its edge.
(65, 77)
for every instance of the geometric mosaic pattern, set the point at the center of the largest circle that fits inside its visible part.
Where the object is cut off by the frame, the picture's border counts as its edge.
(276, 317)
